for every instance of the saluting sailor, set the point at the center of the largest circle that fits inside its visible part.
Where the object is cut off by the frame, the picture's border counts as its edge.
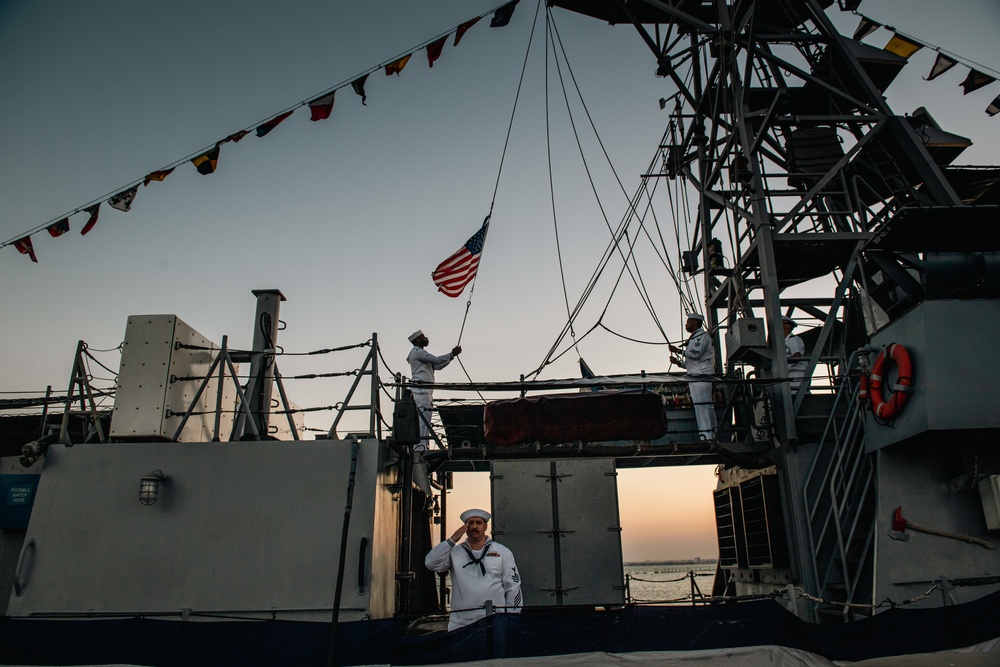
(481, 570)
(699, 361)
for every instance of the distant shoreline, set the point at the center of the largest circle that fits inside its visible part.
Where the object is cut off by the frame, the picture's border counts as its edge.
(685, 561)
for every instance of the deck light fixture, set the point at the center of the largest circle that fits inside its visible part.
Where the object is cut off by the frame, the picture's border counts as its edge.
(149, 487)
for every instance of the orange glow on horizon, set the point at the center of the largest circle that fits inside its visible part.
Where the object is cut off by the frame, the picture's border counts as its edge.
(666, 513)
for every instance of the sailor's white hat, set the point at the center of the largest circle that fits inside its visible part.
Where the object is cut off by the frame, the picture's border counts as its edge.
(415, 335)
(696, 316)
(786, 318)
(482, 514)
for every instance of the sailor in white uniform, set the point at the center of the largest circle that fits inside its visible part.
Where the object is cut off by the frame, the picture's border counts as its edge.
(481, 571)
(699, 361)
(795, 349)
(422, 367)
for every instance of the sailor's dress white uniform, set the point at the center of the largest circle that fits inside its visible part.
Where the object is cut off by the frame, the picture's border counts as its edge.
(489, 573)
(699, 361)
(796, 365)
(422, 367)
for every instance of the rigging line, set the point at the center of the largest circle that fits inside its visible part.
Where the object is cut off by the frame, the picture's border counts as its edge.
(517, 97)
(503, 156)
(631, 201)
(550, 359)
(634, 340)
(678, 205)
(469, 378)
(588, 290)
(294, 107)
(602, 264)
(639, 287)
(552, 187)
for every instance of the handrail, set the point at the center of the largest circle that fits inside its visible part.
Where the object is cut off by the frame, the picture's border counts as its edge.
(836, 478)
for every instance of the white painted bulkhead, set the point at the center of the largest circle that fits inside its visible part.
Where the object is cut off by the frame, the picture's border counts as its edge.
(239, 529)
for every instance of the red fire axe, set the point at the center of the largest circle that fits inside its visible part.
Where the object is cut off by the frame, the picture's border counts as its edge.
(900, 524)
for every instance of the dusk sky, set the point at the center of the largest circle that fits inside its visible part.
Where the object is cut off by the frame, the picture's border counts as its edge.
(348, 216)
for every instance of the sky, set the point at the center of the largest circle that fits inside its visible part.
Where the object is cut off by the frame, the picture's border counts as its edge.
(349, 216)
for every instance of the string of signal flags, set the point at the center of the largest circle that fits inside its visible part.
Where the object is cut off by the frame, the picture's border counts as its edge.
(206, 160)
(905, 46)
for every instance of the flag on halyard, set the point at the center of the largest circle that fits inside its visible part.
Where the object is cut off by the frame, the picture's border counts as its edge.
(235, 136)
(94, 211)
(321, 107)
(434, 50)
(941, 65)
(24, 247)
(58, 228)
(975, 81)
(157, 176)
(123, 200)
(453, 274)
(396, 66)
(501, 16)
(359, 87)
(865, 28)
(207, 162)
(994, 108)
(902, 47)
(462, 29)
(264, 128)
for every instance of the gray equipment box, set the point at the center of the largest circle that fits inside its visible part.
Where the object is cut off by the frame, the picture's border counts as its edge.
(746, 340)
(560, 519)
(150, 400)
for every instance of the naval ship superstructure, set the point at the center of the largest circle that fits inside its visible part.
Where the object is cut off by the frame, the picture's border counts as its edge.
(196, 514)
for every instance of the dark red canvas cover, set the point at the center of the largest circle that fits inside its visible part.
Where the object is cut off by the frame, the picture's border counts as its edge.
(591, 417)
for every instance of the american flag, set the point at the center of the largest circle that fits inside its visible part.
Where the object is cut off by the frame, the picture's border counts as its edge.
(453, 274)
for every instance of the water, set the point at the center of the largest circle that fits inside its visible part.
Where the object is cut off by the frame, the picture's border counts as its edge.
(668, 582)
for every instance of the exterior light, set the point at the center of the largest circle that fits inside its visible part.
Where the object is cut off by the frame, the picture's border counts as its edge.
(149, 487)
(34, 450)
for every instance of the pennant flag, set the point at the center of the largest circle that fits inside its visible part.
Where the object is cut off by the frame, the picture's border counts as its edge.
(264, 128)
(976, 80)
(941, 65)
(94, 211)
(396, 66)
(157, 176)
(58, 228)
(235, 136)
(453, 274)
(321, 107)
(902, 47)
(359, 87)
(994, 106)
(501, 16)
(434, 50)
(206, 162)
(865, 28)
(462, 29)
(123, 200)
(24, 247)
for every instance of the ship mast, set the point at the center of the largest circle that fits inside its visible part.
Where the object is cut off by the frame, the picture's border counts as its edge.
(801, 176)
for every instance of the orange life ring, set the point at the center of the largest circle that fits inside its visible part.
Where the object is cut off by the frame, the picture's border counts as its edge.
(890, 407)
